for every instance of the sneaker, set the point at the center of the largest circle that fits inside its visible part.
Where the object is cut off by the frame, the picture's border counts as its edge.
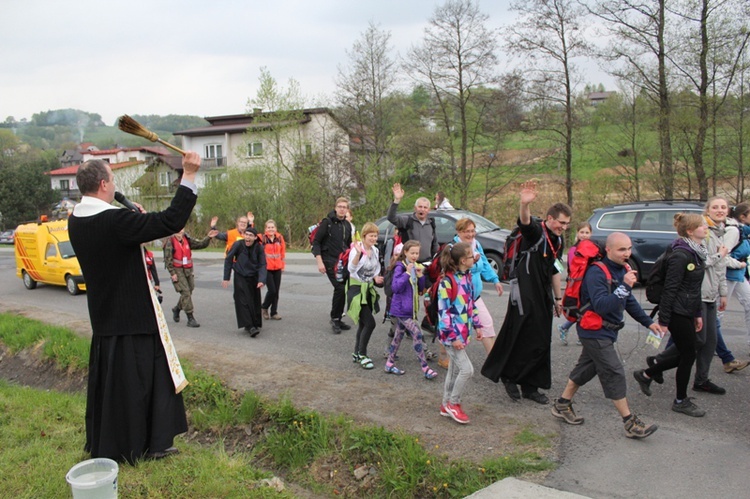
(735, 365)
(635, 428)
(689, 408)
(264, 313)
(356, 357)
(563, 334)
(429, 355)
(643, 382)
(565, 412)
(709, 387)
(658, 377)
(343, 325)
(455, 412)
(444, 412)
(336, 326)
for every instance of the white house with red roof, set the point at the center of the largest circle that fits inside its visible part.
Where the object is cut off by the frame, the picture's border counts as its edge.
(128, 165)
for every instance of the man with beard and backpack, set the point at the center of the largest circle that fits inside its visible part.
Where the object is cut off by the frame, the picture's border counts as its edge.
(521, 354)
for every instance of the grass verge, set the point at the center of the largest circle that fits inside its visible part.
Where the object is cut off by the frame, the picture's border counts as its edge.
(236, 441)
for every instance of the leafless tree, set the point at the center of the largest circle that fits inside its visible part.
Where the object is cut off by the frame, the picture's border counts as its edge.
(549, 35)
(456, 57)
(638, 54)
(363, 87)
(712, 39)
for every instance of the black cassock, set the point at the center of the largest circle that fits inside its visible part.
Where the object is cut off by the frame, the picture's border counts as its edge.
(521, 353)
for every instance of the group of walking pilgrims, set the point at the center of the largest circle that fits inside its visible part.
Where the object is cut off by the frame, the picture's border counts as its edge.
(705, 265)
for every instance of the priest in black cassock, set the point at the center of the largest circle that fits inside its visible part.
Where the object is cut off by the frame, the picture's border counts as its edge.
(521, 354)
(133, 405)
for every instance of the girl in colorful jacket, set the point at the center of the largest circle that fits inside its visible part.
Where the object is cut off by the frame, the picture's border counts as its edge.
(455, 318)
(408, 284)
(275, 248)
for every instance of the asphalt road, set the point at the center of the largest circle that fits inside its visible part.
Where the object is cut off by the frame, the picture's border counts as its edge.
(686, 457)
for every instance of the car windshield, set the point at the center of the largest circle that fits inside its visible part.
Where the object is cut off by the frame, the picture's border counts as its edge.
(66, 249)
(483, 225)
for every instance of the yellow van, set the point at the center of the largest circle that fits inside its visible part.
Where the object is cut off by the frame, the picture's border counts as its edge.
(44, 254)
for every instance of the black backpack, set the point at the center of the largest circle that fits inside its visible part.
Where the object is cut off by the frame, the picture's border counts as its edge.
(431, 305)
(657, 276)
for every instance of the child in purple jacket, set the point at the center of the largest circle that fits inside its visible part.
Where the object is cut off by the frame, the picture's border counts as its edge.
(407, 285)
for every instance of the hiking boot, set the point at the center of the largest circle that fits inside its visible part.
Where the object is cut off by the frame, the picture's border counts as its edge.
(689, 408)
(264, 313)
(643, 382)
(563, 334)
(564, 411)
(709, 387)
(455, 412)
(735, 365)
(191, 321)
(635, 428)
(658, 377)
(176, 314)
(336, 326)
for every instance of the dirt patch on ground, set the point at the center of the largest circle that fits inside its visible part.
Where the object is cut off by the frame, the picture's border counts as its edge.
(491, 434)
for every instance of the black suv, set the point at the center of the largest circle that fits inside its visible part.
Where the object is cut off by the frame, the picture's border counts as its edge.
(649, 225)
(489, 235)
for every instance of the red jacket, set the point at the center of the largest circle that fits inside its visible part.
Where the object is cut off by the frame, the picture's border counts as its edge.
(275, 251)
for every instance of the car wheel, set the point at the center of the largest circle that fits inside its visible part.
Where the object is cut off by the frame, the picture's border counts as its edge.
(70, 283)
(496, 262)
(27, 280)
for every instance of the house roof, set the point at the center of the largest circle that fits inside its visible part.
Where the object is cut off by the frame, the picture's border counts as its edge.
(68, 170)
(158, 150)
(174, 162)
(72, 170)
(599, 95)
(239, 123)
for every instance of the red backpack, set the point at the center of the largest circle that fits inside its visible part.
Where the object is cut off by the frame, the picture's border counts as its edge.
(587, 253)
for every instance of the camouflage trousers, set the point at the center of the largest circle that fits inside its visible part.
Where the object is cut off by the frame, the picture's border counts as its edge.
(185, 285)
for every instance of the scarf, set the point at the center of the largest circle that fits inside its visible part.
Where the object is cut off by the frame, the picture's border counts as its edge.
(699, 249)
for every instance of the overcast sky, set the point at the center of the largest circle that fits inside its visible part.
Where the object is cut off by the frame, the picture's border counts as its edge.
(189, 57)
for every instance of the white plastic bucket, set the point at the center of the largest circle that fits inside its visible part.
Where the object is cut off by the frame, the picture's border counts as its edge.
(94, 479)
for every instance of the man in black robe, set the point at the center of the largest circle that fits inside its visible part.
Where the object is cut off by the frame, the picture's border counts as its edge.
(133, 409)
(521, 354)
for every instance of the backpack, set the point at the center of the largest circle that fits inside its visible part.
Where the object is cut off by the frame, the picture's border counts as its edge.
(656, 277)
(388, 283)
(512, 253)
(587, 253)
(342, 265)
(312, 231)
(431, 299)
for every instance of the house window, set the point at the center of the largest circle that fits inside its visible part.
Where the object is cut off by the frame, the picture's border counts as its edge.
(213, 151)
(255, 149)
(212, 178)
(64, 185)
(164, 180)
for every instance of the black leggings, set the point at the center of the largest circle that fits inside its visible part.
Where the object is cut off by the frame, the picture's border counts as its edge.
(273, 285)
(682, 329)
(364, 330)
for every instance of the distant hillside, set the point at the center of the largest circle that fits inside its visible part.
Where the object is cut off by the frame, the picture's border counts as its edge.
(66, 128)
